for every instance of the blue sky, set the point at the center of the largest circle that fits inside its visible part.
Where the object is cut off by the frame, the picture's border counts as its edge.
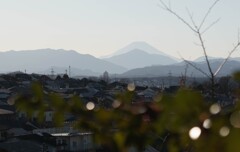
(100, 27)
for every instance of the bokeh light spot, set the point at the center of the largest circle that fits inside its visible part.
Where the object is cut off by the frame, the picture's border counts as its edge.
(224, 131)
(142, 110)
(215, 109)
(195, 133)
(11, 100)
(207, 124)
(90, 106)
(116, 103)
(235, 119)
(131, 87)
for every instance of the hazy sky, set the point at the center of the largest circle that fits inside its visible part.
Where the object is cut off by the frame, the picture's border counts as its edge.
(100, 27)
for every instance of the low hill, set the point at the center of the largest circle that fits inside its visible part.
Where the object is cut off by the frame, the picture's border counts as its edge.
(178, 69)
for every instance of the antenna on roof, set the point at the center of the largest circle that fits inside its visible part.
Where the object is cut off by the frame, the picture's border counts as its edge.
(52, 72)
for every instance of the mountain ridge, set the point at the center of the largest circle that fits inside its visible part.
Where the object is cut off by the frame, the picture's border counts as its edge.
(42, 59)
(178, 69)
(142, 45)
(139, 58)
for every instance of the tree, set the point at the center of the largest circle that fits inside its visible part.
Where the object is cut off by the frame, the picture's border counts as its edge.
(226, 85)
(106, 77)
(199, 30)
(58, 77)
(65, 77)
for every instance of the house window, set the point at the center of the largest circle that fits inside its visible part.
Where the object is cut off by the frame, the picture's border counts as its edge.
(74, 144)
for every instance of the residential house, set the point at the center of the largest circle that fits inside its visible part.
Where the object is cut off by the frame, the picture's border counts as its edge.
(40, 142)
(69, 139)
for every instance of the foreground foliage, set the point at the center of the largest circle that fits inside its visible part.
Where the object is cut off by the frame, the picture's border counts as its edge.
(172, 122)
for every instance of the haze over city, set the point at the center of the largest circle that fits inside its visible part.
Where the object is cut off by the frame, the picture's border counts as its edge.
(102, 27)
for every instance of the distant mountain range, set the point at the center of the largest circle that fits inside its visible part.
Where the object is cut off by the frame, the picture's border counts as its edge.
(138, 59)
(140, 54)
(137, 45)
(179, 69)
(203, 59)
(36, 61)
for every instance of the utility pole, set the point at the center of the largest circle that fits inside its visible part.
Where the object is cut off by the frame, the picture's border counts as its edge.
(52, 72)
(170, 78)
(69, 71)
